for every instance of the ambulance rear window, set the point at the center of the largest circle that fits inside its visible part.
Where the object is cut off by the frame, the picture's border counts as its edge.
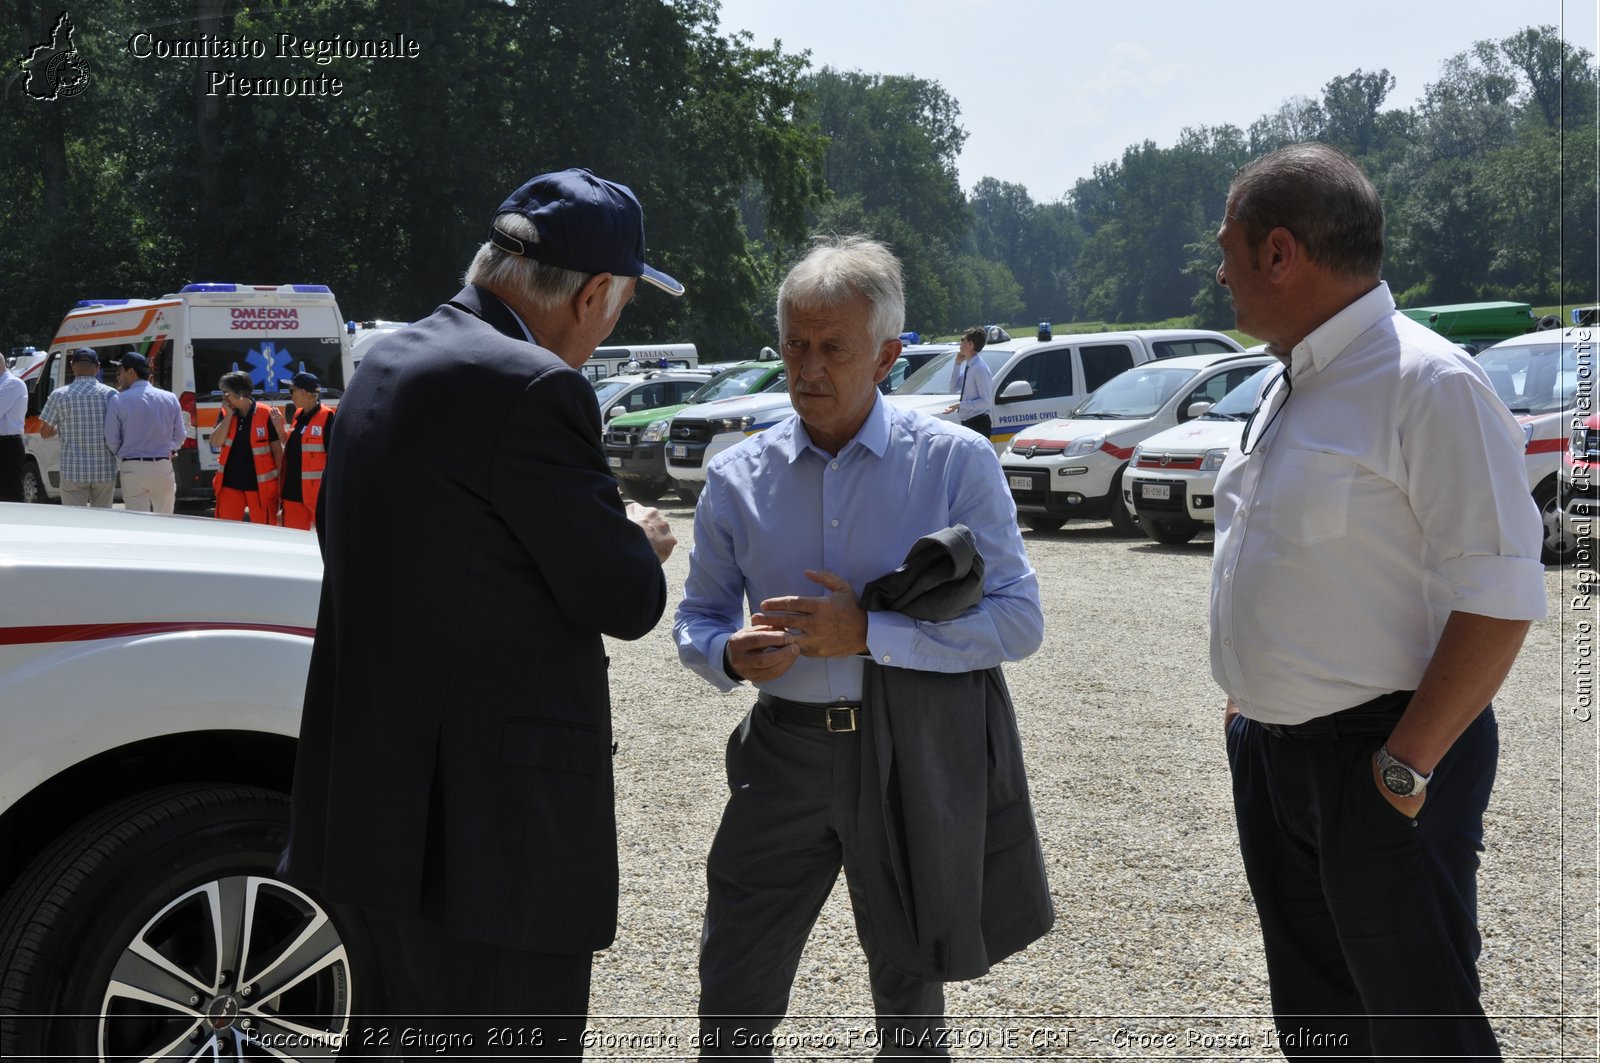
(270, 363)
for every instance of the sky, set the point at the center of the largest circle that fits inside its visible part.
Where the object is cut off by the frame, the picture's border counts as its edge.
(1050, 88)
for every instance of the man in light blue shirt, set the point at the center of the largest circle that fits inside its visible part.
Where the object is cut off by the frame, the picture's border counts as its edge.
(793, 523)
(144, 426)
(13, 411)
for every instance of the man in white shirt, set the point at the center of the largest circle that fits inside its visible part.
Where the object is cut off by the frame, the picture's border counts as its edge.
(1375, 571)
(13, 412)
(971, 380)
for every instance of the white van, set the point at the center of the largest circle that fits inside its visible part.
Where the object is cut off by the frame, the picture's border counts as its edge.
(609, 361)
(1041, 380)
(192, 337)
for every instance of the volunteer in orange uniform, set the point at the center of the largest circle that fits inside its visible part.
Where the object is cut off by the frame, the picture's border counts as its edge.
(305, 453)
(251, 437)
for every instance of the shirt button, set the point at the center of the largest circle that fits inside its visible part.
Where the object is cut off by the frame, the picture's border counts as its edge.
(1227, 642)
(1226, 576)
(835, 465)
(835, 524)
(886, 658)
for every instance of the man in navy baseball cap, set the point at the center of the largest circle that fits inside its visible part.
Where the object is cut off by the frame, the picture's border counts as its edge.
(584, 223)
(503, 881)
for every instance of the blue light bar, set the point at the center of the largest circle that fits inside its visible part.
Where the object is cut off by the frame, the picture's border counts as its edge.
(212, 286)
(101, 302)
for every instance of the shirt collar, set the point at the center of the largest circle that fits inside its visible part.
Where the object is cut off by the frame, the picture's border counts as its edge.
(794, 440)
(1324, 342)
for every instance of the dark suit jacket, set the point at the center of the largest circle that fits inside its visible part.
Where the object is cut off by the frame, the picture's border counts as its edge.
(953, 870)
(455, 749)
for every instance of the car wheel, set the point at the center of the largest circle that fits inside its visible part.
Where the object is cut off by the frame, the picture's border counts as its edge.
(33, 483)
(643, 491)
(1122, 521)
(157, 929)
(689, 490)
(1043, 522)
(1171, 532)
(1553, 550)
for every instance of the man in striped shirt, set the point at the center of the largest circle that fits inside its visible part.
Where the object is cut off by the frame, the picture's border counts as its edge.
(78, 413)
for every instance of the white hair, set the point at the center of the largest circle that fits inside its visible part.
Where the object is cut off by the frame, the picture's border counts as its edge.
(546, 287)
(839, 268)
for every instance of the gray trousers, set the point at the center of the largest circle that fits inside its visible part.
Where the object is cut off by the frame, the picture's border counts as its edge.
(96, 493)
(788, 828)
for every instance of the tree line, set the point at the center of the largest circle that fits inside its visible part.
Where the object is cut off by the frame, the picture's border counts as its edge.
(144, 181)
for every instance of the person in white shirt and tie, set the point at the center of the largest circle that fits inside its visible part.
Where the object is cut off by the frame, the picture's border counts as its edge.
(971, 379)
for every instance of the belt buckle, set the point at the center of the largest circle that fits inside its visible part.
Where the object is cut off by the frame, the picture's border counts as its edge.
(849, 718)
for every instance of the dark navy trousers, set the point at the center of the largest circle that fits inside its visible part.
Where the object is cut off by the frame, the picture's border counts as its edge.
(1369, 917)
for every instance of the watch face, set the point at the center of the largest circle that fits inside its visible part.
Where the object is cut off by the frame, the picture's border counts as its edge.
(1399, 780)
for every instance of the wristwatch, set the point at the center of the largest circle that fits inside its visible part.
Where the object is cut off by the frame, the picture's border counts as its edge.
(1399, 778)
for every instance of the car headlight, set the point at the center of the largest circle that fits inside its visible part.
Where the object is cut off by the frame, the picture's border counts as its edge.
(656, 431)
(1083, 445)
(732, 424)
(1527, 434)
(1138, 452)
(1212, 460)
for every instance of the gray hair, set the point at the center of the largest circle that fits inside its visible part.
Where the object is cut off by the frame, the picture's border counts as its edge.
(1320, 195)
(839, 268)
(545, 286)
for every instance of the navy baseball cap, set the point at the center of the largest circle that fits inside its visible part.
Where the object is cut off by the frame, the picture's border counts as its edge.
(135, 360)
(85, 354)
(305, 382)
(585, 223)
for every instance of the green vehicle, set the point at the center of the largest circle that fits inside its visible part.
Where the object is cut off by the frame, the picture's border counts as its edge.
(635, 442)
(1476, 325)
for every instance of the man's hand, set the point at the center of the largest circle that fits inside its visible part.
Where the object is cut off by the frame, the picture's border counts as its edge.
(760, 653)
(831, 626)
(655, 528)
(952, 407)
(1228, 714)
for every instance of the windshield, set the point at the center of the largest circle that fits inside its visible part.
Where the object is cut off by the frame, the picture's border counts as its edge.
(1140, 392)
(1239, 403)
(733, 382)
(1533, 378)
(608, 389)
(934, 377)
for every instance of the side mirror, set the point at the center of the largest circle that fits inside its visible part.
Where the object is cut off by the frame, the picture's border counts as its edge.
(616, 411)
(1017, 389)
(1195, 410)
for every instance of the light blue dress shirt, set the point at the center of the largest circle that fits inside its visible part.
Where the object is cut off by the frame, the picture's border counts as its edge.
(144, 422)
(776, 505)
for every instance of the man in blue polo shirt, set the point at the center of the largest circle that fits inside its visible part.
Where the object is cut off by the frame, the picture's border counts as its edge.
(144, 426)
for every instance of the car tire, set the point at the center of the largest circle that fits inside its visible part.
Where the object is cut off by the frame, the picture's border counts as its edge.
(33, 483)
(1553, 549)
(1171, 532)
(689, 490)
(107, 947)
(643, 491)
(1122, 522)
(1043, 522)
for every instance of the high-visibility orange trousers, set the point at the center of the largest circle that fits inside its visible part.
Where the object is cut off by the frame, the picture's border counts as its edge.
(232, 502)
(298, 515)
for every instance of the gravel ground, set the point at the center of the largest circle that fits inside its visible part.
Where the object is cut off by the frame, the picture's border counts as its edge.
(1156, 951)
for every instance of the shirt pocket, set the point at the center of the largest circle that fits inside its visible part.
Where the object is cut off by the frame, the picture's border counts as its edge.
(1311, 496)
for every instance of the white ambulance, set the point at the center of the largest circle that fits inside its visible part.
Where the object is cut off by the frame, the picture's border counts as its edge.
(192, 337)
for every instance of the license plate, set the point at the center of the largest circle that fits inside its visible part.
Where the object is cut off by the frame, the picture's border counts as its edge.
(613, 461)
(679, 450)
(1161, 491)
(1020, 483)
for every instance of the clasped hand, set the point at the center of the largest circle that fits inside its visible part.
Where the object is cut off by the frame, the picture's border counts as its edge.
(790, 627)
